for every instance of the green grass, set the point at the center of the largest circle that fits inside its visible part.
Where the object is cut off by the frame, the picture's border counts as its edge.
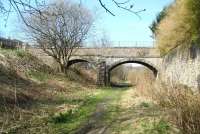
(155, 127)
(80, 113)
(21, 53)
(71, 120)
(39, 76)
(145, 104)
(14, 52)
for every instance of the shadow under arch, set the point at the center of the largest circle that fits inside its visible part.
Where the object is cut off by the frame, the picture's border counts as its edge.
(74, 61)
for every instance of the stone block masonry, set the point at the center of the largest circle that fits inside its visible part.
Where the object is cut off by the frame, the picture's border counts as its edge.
(182, 66)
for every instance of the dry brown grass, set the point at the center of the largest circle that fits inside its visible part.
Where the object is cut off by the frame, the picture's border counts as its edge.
(82, 73)
(143, 79)
(183, 104)
(180, 102)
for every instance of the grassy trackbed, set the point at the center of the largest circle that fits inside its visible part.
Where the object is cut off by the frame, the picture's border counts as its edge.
(75, 120)
(124, 112)
(35, 100)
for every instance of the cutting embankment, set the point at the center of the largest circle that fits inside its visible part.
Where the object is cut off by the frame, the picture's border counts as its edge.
(36, 99)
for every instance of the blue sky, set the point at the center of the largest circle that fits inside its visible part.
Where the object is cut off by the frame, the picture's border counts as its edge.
(123, 27)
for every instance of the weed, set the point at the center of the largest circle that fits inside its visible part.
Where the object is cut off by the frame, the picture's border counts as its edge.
(144, 104)
(71, 120)
(184, 105)
(63, 117)
(156, 127)
(39, 76)
(21, 53)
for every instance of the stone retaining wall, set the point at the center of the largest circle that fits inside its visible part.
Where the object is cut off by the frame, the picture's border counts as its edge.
(182, 66)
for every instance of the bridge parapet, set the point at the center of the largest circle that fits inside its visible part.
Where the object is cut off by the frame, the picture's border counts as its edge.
(118, 52)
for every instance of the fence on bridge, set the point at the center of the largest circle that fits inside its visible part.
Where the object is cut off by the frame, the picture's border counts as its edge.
(8, 43)
(145, 44)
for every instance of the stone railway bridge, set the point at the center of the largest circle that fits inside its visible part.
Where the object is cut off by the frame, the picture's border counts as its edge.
(106, 59)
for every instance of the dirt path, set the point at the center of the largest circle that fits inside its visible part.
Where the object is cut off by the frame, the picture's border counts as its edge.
(125, 112)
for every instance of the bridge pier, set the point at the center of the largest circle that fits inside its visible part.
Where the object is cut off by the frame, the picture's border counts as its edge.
(102, 76)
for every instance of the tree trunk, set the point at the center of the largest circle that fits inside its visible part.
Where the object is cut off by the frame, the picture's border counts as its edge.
(63, 68)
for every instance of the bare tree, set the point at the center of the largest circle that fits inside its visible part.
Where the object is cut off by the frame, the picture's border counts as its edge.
(22, 7)
(105, 40)
(101, 40)
(60, 30)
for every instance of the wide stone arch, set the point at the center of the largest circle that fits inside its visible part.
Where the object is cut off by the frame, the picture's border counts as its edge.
(143, 62)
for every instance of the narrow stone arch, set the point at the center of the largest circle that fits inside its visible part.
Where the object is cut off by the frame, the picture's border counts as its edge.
(74, 61)
(79, 60)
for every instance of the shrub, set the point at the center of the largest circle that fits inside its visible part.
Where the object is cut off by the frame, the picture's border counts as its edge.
(180, 102)
(63, 117)
(184, 104)
(180, 27)
(154, 26)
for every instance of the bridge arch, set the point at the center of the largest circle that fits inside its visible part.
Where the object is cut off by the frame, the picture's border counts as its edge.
(74, 61)
(138, 61)
(82, 60)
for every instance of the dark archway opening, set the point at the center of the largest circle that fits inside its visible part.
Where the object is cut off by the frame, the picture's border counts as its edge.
(82, 71)
(71, 62)
(123, 74)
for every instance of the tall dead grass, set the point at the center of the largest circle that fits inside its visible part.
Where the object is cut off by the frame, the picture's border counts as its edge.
(84, 73)
(119, 74)
(181, 103)
(143, 79)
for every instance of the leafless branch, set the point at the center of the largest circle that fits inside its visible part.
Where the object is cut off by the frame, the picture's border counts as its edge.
(107, 10)
(122, 5)
(31, 6)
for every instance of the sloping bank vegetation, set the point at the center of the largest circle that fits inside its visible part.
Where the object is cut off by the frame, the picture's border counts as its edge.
(34, 98)
(178, 25)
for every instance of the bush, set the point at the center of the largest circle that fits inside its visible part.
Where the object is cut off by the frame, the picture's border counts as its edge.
(154, 26)
(185, 107)
(180, 27)
(63, 117)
